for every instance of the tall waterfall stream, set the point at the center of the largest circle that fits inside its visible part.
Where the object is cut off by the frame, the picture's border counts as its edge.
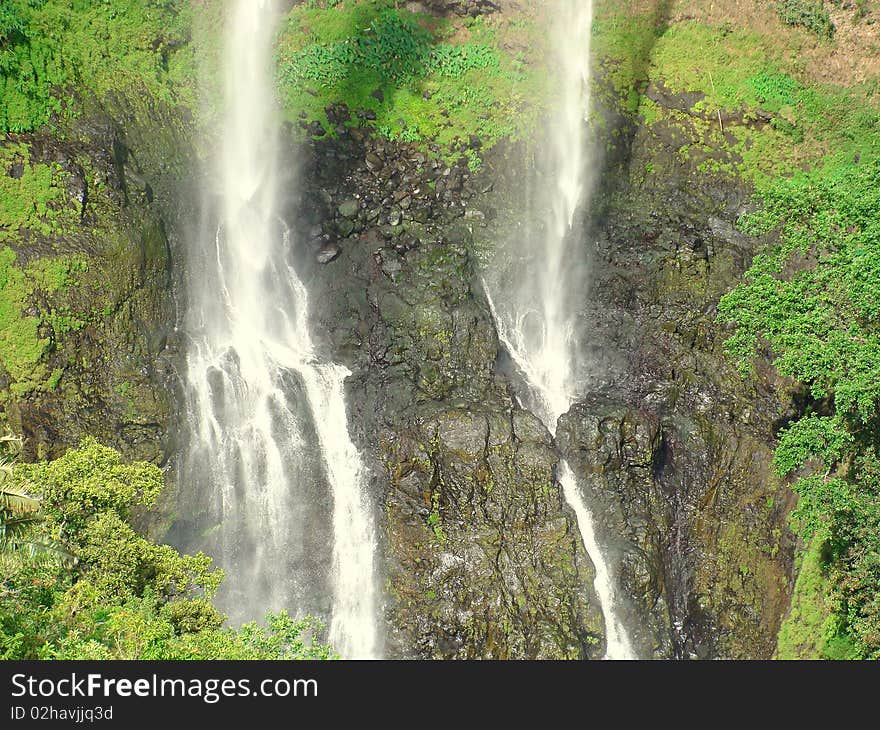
(269, 439)
(533, 300)
(268, 427)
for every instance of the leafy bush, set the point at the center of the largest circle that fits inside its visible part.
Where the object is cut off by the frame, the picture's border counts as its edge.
(813, 302)
(809, 14)
(394, 46)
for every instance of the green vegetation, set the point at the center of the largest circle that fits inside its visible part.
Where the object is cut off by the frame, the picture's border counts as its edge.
(435, 521)
(812, 629)
(810, 14)
(54, 52)
(31, 194)
(777, 124)
(411, 76)
(111, 593)
(23, 341)
(812, 302)
(19, 511)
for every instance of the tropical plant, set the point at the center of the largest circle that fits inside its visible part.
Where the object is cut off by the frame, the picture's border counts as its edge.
(119, 595)
(21, 513)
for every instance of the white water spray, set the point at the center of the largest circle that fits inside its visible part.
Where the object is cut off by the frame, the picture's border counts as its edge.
(532, 301)
(268, 424)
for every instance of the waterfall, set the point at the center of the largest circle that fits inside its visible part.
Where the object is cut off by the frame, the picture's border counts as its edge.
(531, 298)
(268, 428)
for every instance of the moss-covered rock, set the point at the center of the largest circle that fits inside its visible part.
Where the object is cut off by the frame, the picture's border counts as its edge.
(86, 297)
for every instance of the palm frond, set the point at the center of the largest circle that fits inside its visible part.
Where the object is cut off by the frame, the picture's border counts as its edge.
(16, 500)
(10, 447)
(18, 538)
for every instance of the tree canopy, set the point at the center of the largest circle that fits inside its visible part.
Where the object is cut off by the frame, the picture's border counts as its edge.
(109, 592)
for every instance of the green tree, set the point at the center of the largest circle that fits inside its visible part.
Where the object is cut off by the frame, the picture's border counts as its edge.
(121, 596)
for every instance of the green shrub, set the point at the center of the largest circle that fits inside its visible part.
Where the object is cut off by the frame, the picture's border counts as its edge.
(813, 302)
(809, 14)
(394, 46)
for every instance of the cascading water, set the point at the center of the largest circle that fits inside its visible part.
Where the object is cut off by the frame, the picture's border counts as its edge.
(531, 299)
(268, 426)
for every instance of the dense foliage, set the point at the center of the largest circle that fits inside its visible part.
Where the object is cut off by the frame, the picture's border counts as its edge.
(810, 14)
(52, 51)
(813, 302)
(106, 592)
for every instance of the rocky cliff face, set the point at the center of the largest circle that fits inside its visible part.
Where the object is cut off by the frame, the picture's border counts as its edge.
(483, 558)
(672, 445)
(103, 326)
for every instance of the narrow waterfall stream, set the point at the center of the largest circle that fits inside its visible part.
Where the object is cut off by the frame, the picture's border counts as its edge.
(534, 300)
(268, 425)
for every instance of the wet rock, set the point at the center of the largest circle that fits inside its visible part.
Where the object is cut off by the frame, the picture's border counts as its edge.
(328, 252)
(124, 213)
(374, 162)
(391, 265)
(313, 129)
(345, 227)
(349, 208)
(337, 114)
(483, 556)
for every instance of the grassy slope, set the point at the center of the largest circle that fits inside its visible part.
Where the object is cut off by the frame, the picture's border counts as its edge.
(743, 70)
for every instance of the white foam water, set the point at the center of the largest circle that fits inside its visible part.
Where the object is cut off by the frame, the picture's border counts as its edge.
(268, 423)
(533, 301)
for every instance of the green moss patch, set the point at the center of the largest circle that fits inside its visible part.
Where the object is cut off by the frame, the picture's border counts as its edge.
(23, 342)
(411, 76)
(32, 195)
